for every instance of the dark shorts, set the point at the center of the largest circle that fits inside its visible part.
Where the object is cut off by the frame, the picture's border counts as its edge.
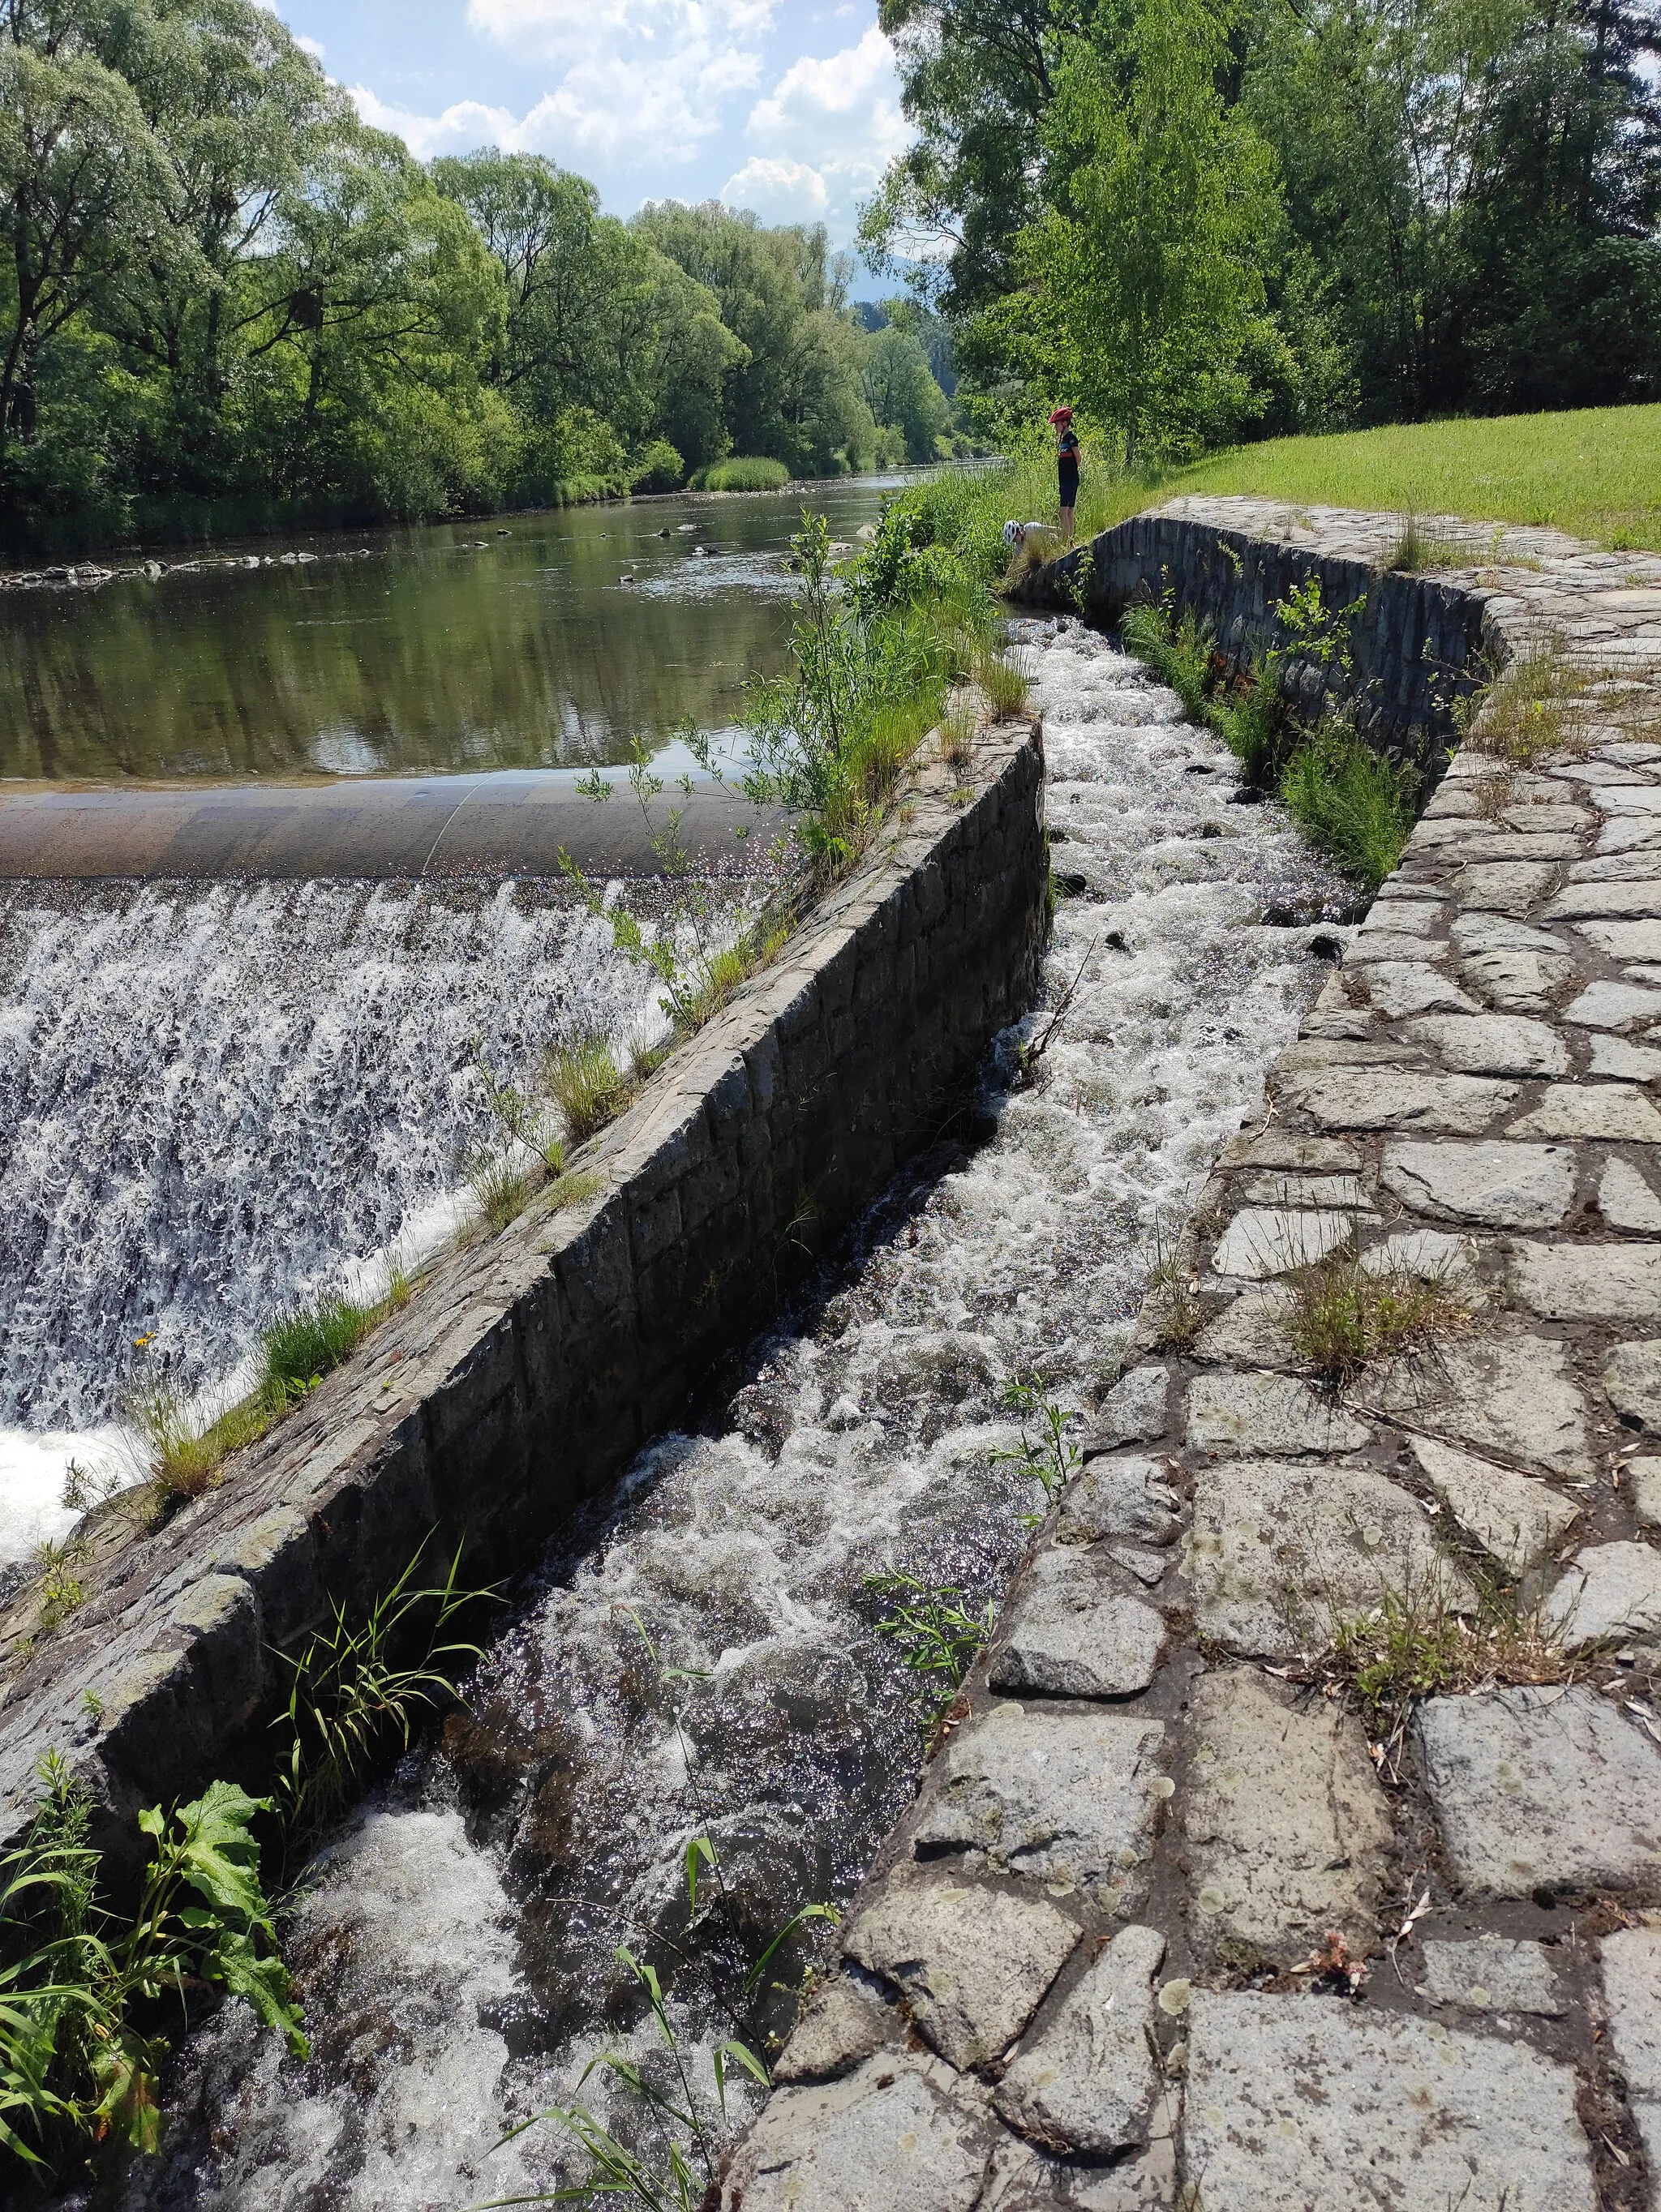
(1069, 483)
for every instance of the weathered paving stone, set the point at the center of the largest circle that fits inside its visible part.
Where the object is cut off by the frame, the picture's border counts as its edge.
(1503, 1391)
(1631, 1988)
(1296, 1191)
(1504, 1186)
(1613, 1006)
(1513, 1515)
(1490, 1973)
(1621, 898)
(1607, 1590)
(973, 1964)
(1290, 1149)
(1071, 1633)
(1312, 2104)
(1617, 1112)
(1067, 1797)
(1503, 886)
(839, 2028)
(1132, 1412)
(1265, 1241)
(886, 2139)
(1278, 1554)
(1126, 1499)
(1618, 1060)
(1643, 1475)
(1625, 1199)
(1624, 940)
(1541, 1788)
(1522, 978)
(1386, 1098)
(1086, 2079)
(1266, 1414)
(1586, 1282)
(1288, 1827)
(1250, 1330)
(1631, 1377)
(1491, 1044)
(1411, 986)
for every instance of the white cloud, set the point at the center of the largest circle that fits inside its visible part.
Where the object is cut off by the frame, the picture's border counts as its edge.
(309, 46)
(467, 124)
(840, 120)
(778, 191)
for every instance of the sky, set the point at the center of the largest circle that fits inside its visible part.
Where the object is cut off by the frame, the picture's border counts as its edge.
(783, 106)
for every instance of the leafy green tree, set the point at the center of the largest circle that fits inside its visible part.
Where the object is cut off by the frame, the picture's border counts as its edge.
(901, 390)
(1143, 295)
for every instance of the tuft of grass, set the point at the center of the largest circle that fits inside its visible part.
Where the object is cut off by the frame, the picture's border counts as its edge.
(503, 1188)
(1350, 802)
(1420, 549)
(1005, 688)
(1536, 706)
(1172, 1303)
(184, 1456)
(585, 1082)
(744, 472)
(1345, 1318)
(1178, 651)
(60, 1590)
(957, 740)
(303, 1345)
(1424, 1640)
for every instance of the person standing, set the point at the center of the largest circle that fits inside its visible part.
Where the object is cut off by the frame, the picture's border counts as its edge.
(1067, 466)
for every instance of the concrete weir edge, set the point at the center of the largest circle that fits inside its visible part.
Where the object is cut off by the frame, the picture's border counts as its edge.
(526, 1373)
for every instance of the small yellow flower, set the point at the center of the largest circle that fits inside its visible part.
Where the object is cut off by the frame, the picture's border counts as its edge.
(139, 1342)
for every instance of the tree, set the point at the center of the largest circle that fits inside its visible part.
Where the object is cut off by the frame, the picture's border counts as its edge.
(1142, 291)
(900, 387)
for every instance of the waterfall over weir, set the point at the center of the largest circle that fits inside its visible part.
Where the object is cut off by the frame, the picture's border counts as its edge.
(216, 1098)
(455, 1946)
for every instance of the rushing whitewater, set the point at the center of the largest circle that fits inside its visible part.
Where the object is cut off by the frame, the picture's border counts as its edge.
(455, 1947)
(214, 1100)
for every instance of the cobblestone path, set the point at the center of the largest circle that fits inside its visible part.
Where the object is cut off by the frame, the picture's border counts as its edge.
(1183, 1916)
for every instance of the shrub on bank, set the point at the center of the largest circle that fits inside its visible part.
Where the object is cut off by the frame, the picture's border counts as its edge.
(743, 473)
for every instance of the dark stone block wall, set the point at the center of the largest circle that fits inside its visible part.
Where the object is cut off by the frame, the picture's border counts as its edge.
(526, 1374)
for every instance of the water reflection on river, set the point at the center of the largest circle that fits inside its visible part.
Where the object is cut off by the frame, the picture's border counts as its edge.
(468, 646)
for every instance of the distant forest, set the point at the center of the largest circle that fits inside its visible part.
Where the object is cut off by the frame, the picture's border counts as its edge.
(1210, 220)
(226, 304)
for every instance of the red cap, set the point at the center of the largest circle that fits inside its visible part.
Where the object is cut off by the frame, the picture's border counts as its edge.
(1063, 415)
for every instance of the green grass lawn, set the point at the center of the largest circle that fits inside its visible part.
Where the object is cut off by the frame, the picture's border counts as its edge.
(1595, 472)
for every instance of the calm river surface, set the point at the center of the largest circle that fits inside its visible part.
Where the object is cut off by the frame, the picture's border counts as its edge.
(469, 646)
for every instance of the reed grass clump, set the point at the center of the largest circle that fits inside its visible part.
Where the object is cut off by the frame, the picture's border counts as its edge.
(1345, 1317)
(1435, 1634)
(1537, 705)
(1421, 549)
(744, 472)
(1348, 800)
(582, 1077)
(302, 1346)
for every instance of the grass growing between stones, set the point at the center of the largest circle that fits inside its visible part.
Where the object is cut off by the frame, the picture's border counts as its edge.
(1537, 706)
(1345, 1317)
(1172, 1306)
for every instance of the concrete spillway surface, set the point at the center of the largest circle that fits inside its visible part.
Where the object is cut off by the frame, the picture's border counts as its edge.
(508, 824)
(456, 1944)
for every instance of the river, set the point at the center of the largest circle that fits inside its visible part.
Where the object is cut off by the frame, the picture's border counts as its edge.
(455, 1944)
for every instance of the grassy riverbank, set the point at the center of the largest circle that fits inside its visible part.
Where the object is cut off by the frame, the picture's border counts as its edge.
(1595, 472)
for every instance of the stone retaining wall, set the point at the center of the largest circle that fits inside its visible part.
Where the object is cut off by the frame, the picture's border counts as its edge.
(1420, 642)
(1179, 1918)
(527, 1374)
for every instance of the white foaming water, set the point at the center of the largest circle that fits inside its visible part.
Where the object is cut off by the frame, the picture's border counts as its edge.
(215, 1100)
(457, 1952)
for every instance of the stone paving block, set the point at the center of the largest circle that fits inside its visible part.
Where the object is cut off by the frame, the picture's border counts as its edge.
(1515, 1516)
(1127, 1499)
(1504, 1186)
(1619, 1113)
(1070, 1633)
(838, 2029)
(1631, 1988)
(1085, 2080)
(1387, 1098)
(1503, 1391)
(1415, 917)
(1607, 1590)
(972, 1965)
(1266, 1414)
(1068, 1796)
(1541, 1788)
(1490, 1973)
(1264, 1241)
(1132, 1412)
(1298, 1191)
(1301, 2104)
(1425, 1252)
(1587, 1282)
(1250, 1330)
(1411, 986)
(1621, 899)
(1624, 940)
(1516, 978)
(1279, 1148)
(1287, 1829)
(1631, 1377)
(1618, 1059)
(1503, 886)
(1607, 1006)
(1491, 1044)
(1278, 1553)
(884, 2140)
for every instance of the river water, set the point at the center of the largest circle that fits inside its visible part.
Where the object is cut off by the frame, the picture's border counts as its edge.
(455, 1946)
